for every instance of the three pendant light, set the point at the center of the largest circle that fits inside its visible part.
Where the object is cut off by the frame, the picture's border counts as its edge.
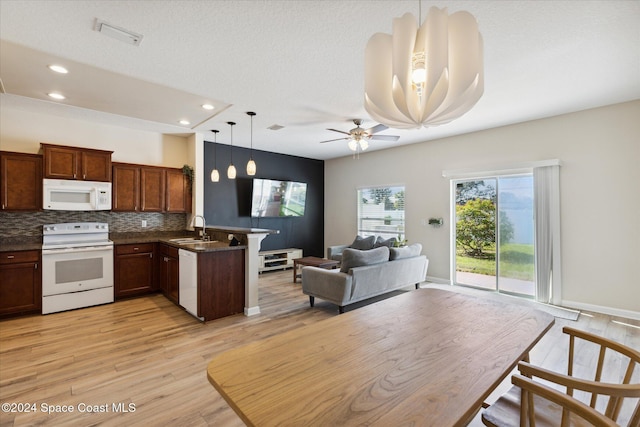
(231, 170)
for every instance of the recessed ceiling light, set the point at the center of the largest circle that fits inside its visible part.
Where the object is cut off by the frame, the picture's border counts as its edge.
(207, 106)
(55, 95)
(58, 69)
(185, 122)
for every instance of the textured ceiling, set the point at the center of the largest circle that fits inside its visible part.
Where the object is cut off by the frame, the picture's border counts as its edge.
(299, 64)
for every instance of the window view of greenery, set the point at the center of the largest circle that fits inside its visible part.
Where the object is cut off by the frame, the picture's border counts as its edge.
(484, 245)
(381, 212)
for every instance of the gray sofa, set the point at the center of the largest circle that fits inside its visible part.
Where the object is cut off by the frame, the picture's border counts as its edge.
(365, 274)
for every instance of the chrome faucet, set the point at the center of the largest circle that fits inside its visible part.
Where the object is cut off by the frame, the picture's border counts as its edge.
(204, 235)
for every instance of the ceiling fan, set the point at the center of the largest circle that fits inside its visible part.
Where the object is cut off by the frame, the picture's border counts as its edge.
(359, 137)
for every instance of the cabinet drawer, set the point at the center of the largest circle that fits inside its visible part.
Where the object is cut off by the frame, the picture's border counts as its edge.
(167, 250)
(19, 256)
(134, 248)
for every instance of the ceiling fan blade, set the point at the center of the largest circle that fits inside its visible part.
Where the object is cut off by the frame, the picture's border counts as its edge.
(340, 131)
(331, 140)
(384, 137)
(376, 129)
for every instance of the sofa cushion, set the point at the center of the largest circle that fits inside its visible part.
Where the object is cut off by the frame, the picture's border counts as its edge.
(363, 243)
(382, 242)
(405, 251)
(352, 258)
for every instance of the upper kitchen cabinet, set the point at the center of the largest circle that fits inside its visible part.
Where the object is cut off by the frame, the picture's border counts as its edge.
(178, 191)
(139, 188)
(21, 184)
(86, 164)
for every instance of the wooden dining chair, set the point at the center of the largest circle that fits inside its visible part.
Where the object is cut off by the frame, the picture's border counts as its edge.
(541, 410)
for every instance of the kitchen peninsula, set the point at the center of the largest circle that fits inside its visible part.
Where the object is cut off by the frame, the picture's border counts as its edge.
(251, 238)
(247, 238)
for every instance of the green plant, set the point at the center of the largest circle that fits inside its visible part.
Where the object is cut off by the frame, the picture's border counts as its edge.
(188, 172)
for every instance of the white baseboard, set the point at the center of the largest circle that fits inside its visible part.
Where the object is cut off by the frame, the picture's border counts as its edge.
(611, 311)
(629, 314)
(438, 280)
(251, 311)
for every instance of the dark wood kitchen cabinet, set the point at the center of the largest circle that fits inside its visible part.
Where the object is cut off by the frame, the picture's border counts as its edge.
(20, 283)
(152, 189)
(125, 188)
(20, 181)
(134, 270)
(178, 191)
(169, 272)
(86, 164)
(140, 188)
(221, 286)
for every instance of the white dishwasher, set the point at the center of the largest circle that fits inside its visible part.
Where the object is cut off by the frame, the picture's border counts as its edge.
(188, 296)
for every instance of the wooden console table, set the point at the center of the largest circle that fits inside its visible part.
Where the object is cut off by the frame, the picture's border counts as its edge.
(313, 262)
(428, 357)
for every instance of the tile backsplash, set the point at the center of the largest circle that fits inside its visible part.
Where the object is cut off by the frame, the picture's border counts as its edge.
(29, 224)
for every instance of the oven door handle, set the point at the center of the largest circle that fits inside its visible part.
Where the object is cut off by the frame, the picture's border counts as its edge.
(79, 249)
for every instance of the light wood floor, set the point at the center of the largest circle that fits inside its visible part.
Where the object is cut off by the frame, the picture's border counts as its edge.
(149, 353)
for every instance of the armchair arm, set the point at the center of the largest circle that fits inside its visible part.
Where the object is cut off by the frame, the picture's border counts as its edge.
(335, 250)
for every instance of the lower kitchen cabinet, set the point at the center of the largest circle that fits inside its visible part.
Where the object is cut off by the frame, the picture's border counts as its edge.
(220, 283)
(169, 272)
(134, 270)
(20, 283)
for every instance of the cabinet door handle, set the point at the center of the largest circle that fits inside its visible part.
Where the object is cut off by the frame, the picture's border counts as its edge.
(35, 266)
(135, 249)
(150, 255)
(10, 257)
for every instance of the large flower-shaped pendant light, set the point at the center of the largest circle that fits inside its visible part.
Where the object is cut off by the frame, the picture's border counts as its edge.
(424, 76)
(231, 170)
(251, 164)
(215, 175)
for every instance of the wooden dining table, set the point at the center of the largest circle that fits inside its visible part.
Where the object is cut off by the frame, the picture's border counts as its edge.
(428, 357)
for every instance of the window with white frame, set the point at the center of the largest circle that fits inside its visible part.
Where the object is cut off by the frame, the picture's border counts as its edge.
(381, 212)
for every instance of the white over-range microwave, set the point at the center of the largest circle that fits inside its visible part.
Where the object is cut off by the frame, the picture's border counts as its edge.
(69, 195)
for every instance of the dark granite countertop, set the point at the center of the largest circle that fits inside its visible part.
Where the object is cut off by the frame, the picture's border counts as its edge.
(10, 244)
(167, 237)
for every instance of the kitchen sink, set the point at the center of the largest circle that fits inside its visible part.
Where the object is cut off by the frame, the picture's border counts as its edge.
(193, 243)
(183, 240)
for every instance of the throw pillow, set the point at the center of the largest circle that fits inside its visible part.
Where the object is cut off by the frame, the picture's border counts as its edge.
(352, 258)
(405, 252)
(382, 242)
(363, 243)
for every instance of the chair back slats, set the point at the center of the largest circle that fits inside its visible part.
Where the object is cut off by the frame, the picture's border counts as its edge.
(563, 407)
(614, 404)
(573, 406)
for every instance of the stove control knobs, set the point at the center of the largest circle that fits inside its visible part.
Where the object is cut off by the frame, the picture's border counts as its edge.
(50, 228)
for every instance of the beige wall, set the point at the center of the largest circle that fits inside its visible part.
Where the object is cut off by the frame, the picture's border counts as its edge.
(600, 200)
(23, 131)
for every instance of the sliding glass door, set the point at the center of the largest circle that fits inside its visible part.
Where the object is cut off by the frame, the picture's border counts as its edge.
(494, 234)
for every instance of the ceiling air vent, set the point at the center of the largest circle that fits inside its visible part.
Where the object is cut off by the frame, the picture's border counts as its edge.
(275, 127)
(118, 33)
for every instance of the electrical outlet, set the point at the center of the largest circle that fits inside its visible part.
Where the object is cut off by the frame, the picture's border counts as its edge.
(144, 223)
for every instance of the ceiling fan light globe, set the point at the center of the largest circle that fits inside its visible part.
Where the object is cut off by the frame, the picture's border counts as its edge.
(353, 145)
(364, 144)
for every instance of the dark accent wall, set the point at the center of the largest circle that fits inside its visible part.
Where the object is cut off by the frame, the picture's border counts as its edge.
(228, 202)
